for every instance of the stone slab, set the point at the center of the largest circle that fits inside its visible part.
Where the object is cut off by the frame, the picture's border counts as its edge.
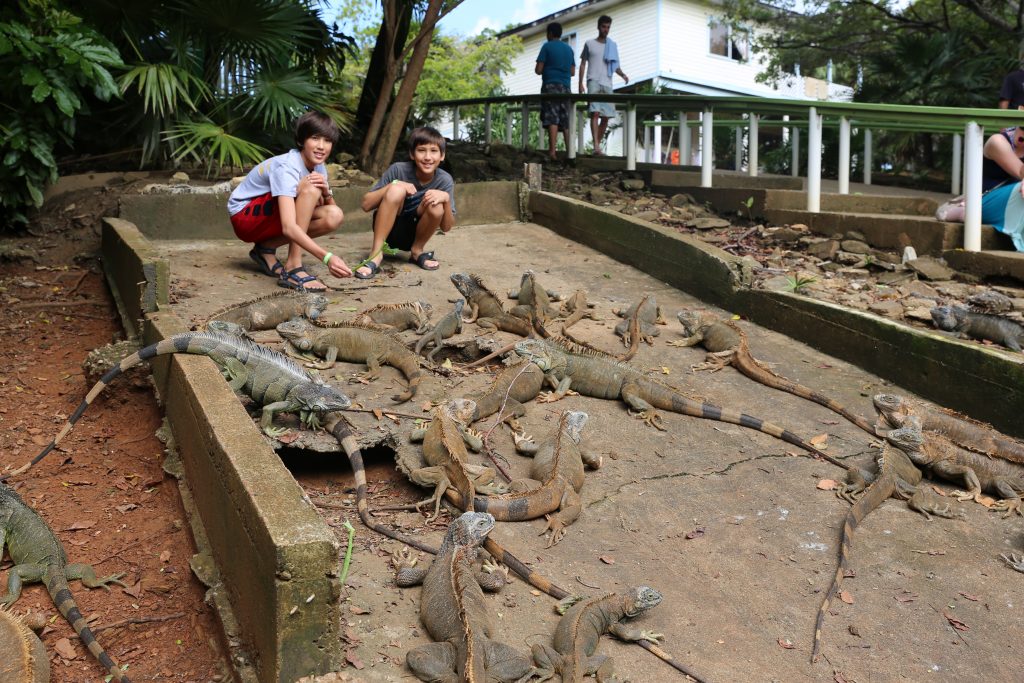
(997, 264)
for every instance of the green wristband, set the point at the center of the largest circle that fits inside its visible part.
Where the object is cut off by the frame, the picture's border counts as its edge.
(396, 180)
(327, 258)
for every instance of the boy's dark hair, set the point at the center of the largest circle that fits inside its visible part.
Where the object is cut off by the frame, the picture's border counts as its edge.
(425, 135)
(554, 30)
(604, 19)
(315, 123)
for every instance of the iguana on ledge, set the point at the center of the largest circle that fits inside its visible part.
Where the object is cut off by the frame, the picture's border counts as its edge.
(484, 307)
(553, 489)
(38, 555)
(726, 344)
(580, 629)
(594, 374)
(413, 315)
(963, 431)
(455, 614)
(269, 378)
(967, 323)
(897, 477)
(267, 312)
(356, 343)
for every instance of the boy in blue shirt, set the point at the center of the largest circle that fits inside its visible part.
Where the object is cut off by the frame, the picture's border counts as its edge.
(556, 65)
(286, 200)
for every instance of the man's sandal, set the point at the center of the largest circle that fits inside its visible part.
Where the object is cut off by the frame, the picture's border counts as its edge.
(275, 270)
(374, 269)
(291, 280)
(422, 259)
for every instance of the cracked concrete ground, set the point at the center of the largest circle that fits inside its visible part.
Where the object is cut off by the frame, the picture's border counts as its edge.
(729, 524)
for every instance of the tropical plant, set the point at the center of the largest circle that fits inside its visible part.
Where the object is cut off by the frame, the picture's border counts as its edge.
(49, 62)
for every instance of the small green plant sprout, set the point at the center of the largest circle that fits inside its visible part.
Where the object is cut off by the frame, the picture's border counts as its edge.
(385, 248)
(799, 282)
(747, 204)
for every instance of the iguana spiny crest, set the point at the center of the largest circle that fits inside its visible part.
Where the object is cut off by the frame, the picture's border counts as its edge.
(470, 529)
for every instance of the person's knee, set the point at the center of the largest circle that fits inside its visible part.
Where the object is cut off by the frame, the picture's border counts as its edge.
(333, 216)
(307, 190)
(396, 194)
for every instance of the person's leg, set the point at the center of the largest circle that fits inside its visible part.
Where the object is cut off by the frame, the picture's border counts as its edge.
(429, 221)
(306, 199)
(594, 133)
(383, 221)
(552, 139)
(601, 129)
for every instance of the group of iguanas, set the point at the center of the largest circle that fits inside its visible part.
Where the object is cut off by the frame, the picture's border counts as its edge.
(452, 606)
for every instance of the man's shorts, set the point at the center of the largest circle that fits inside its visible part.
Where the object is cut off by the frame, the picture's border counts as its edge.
(602, 109)
(403, 232)
(258, 221)
(554, 112)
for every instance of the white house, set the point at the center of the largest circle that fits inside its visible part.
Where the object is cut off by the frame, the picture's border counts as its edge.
(680, 45)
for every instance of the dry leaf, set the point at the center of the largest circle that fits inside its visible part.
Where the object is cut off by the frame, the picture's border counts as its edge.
(447, 364)
(355, 609)
(125, 508)
(839, 678)
(84, 524)
(820, 441)
(696, 533)
(939, 491)
(607, 559)
(986, 501)
(165, 556)
(665, 370)
(968, 596)
(352, 658)
(134, 591)
(378, 413)
(905, 598)
(288, 437)
(954, 622)
(827, 484)
(65, 649)
(786, 643)
(846, 597)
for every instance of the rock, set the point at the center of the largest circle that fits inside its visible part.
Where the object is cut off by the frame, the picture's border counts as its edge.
(236, 181)
(681, 201)
(785, 235)
(500, 164)
(343, 182)
(896, 277)
(922, 313)
(343, 157)
(931, 269)
(856, 246)
(919, 289)
(825, 250)
(888, 309)
(335, 171)
(179, 178)
(779, 283)
(990, 301)
(709, 223)
(632, 184)
(648, 215)
(885, 256)
(856, 236)
(831, 266)
(800, 226)
(600, 196)
(909, 254)
(849, 259)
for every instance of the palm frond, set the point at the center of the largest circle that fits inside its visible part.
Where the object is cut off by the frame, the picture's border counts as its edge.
(205, 139)
(277, 96)
(164, 88)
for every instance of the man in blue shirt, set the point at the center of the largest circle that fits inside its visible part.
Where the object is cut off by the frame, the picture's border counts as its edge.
(556, 65)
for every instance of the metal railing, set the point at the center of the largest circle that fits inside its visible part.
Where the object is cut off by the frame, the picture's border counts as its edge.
(801, 114)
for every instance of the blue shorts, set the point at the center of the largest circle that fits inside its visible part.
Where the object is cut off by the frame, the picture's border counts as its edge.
(602, 109)
(993, 205)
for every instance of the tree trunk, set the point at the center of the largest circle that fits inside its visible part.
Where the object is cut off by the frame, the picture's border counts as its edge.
(376, 71)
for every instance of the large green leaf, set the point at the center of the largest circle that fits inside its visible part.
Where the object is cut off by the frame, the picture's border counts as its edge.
(209, 142)
(165, 88)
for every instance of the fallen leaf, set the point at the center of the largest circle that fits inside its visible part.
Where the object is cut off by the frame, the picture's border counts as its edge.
(84, 524)
(968, 596)
(288, 437)
(664, 371)
(820, 441)
(378, 413)
(787, 643)
(839, 678)
(447, 364)
(125, 508)
(846, 597)
(355, 609)
(827, 484)
(607, 559)
(165, 556)
(905, 598)
(986, 501)
(954, 622)
(352, 658)
(134, 591)
(939, 491)
(65, 649)
(696, 533)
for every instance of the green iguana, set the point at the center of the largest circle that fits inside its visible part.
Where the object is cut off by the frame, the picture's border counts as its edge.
(356, 343)
(485, 309)
(453, 610)
(897, 477)
(446, 327)
(513, 387)
(963, 431)
(967, 323)
(413, 315)
(534, 300)
(38, 555)
(24, 656)
(594, 374)
(726, 344)
(267, 312)
(949, 461)
(580, 629)
(553, 489)
(269, 378)
(444, 451)
(639, 323)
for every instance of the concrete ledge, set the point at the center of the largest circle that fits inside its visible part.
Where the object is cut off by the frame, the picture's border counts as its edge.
(679, 180)
(988, 263)
(205, 216)
(856, 203)
(277, 557)
(986, 383)
(138, 277)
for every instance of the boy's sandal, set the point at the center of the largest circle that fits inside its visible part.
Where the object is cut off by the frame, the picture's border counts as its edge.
(422, 259)
(374, 269)
(291, 280)
(276, 270)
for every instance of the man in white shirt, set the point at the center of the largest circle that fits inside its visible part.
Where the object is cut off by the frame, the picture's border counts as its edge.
(602, 55)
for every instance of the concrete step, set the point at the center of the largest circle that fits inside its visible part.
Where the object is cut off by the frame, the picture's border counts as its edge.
(988, 264)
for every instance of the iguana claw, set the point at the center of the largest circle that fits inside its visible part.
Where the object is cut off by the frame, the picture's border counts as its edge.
(1010, 505)
(403, 559)
(651, 418)
(651, 636)
(275, 432)
(492, 566)
(521, 438)
(679, 344)
(548, 397)
(1014, 561)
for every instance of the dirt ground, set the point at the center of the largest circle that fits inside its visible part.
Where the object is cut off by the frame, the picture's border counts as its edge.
(103, 492)
(736, 529)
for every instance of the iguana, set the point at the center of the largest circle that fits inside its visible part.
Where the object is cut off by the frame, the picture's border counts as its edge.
(575, 309)
(24, 656)
(513, 387)
(267, 312)
(726, 344)
(534, 300)
(356, 343)
(977, 472)
(448, 326)
(963, 431)
(413, 315)
(966, 323)
(453, 610)
(897, 477)
(484, 307)
(444, 451)
(594, 374)
(580, 629)
(269, 378)
(639, 323)
(553, 489)
(38, 555)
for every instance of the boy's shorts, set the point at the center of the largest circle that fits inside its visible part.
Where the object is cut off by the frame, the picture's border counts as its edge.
(258, 221)
(403, 232)
(602, 109)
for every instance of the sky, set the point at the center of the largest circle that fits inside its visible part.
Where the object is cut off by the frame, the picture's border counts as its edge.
(473, 16)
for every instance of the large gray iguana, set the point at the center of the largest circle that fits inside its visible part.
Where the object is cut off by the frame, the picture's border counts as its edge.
(979, 326)
(453, 609)
(269, 378)
(534, 302)
(484, 307)
(38, 555)
(412, 315)
(267, 312)
(595, 374)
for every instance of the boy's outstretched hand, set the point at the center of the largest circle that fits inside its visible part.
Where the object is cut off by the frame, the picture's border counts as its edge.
(338, 267)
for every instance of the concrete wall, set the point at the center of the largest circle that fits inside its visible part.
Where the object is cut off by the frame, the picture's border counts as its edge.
(205, 216)
(138, 277)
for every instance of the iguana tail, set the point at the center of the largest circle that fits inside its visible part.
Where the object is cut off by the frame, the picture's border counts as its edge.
(407, 364)
(749, 366)
(515, 507)
(528, 575)
(57, 587)
(876, 494)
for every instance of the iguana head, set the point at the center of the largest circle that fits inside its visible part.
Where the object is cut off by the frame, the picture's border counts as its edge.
(459, 305)
(315, 305)
(909, 440)
(423, 310)
(640, 599)
(690, 320)
(533, 350)
(225, 327)
(461, 409)
(573, 422)
(464, 283)
(528, 276)
(297, 331)
(316, 399)
(892, 408)
(469, 529)
(948, 317)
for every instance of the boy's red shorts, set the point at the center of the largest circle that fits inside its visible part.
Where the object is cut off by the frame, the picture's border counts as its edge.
(258, 221)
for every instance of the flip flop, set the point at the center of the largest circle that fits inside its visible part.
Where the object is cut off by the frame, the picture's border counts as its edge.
(291, 280)
(276, 270)
(374, 269)
(423, 258)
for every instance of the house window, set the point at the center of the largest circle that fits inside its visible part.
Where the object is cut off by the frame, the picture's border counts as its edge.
(570, 40)
(726, 41)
